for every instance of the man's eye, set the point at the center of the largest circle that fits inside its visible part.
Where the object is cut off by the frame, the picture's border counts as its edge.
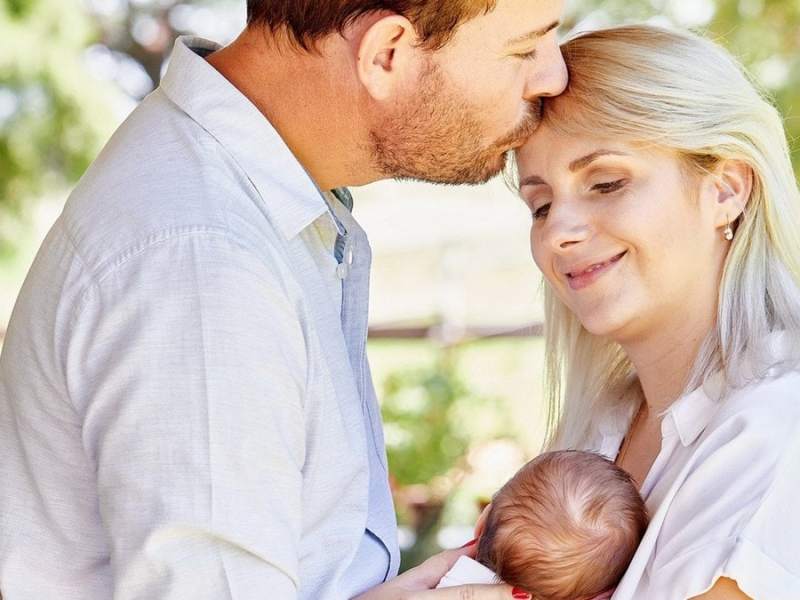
(610, 186)
(527, 55)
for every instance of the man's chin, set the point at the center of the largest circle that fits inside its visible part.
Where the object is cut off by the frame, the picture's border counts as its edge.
(494, 169)
(473, 170)
(475, 174)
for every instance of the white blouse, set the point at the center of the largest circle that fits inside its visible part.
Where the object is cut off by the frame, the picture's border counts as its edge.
(723, 495)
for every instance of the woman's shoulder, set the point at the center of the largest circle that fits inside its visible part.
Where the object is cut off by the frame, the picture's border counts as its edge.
(729, 509)
(768, 408)
(753, 428)
(745, 445)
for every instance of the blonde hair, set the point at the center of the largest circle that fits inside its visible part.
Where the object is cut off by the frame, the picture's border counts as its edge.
(679, 91)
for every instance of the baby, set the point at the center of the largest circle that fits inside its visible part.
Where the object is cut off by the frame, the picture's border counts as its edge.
(564, 527)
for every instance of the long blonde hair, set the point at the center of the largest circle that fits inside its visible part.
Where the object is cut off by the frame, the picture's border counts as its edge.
(679, 91)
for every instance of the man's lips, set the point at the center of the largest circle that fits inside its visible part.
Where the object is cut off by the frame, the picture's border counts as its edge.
(520, 135)
(581, 276)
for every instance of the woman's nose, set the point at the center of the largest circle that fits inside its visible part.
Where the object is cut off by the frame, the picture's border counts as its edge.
(566, 226)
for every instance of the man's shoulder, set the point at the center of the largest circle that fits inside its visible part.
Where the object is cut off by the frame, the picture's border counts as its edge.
(160, 172)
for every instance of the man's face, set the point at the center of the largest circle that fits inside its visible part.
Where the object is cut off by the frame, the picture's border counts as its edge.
(476, 98)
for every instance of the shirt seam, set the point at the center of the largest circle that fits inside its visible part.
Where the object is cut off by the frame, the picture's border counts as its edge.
(99, 274)
(91, 283)
(757, 548)
(737, 540)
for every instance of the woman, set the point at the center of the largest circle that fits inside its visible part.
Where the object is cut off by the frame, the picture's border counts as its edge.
(666, 222)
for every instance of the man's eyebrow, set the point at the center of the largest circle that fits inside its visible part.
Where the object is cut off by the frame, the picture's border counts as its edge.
(582, 163)
(533, 35)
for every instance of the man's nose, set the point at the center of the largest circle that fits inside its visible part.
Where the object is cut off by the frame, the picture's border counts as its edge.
(550, 77)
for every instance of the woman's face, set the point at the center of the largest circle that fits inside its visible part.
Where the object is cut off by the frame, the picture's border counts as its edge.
(620, 234)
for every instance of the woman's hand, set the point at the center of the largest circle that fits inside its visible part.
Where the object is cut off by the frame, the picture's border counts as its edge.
(419, 583)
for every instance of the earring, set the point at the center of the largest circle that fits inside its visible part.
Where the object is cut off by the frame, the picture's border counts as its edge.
(728, 232)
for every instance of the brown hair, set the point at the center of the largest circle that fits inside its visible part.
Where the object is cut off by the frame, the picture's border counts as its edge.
(564, 527)
(307, 21)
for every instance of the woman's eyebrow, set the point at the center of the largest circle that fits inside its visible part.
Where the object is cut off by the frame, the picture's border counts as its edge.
(582, 163)
(532, 180)
(575, 165)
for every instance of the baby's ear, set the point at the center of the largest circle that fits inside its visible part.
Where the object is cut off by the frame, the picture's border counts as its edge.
(480, 525)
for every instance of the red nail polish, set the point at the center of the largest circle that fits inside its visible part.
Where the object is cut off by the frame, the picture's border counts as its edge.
(470, 543)
(520, 594)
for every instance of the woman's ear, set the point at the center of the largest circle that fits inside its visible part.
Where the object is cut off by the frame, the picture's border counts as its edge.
(733, 184)
(387, 56)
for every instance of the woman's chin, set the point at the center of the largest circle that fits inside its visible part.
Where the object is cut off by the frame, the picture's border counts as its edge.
(603, 325)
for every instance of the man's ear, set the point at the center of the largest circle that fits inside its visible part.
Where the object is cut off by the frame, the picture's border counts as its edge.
(387, 56)
(732, 186)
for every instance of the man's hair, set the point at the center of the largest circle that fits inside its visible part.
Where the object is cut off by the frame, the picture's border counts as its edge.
(307, 21)
(564, 527)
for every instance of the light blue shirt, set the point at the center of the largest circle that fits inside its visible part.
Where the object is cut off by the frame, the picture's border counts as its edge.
(186, 407)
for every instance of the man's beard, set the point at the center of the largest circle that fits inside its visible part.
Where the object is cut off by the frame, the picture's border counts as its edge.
(435, 137)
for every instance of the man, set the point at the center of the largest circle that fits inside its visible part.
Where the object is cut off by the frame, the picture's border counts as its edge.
(186, 408)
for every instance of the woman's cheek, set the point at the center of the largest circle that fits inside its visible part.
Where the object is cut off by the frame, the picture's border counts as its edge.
(544, 263)
(537, 253)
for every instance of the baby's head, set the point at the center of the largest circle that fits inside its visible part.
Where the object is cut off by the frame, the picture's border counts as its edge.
(564, 527)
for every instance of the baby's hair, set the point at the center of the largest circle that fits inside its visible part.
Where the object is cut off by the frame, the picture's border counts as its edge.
(564, 527)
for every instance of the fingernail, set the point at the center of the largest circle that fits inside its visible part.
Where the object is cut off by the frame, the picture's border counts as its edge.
(470, 543)
(520, 594)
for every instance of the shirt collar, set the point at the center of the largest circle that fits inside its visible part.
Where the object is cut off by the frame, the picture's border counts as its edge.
(291, 197)
(687, 418)
(689, 415)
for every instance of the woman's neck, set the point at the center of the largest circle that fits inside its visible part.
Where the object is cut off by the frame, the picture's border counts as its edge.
(664, 360)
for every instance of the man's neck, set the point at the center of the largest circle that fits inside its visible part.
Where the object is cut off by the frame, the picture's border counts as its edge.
(312, 100)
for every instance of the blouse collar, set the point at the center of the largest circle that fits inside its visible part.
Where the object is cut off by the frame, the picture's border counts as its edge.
(688, 416)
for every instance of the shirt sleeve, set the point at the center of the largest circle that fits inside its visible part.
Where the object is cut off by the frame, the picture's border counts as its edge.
(764, 560)
(740, 517)
(187, 362)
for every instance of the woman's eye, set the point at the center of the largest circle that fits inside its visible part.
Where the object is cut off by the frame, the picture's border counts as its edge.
(541, 212)
(527, 55)
(610, 186)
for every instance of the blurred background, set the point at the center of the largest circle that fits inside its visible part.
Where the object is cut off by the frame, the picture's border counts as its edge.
(455, 304)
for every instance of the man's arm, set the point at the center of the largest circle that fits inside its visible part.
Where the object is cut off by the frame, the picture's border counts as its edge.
(188, 363)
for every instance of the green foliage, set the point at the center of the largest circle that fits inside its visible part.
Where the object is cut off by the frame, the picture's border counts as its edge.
(54, 117)
(424, 437)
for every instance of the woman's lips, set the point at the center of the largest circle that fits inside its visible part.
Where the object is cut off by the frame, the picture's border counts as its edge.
(586, 277)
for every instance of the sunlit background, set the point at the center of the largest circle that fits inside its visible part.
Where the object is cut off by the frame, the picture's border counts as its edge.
(455, 305)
